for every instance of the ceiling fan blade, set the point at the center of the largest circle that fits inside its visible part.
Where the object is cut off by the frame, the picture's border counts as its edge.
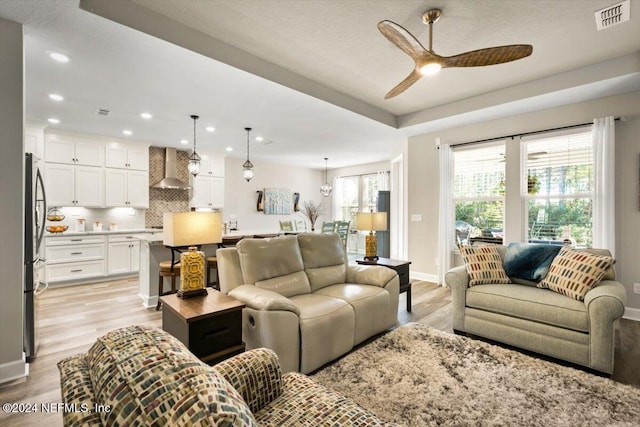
(404, 85)
(403, 39)
(488, 56)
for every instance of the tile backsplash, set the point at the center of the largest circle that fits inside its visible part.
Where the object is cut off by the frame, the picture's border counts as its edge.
(163, 200)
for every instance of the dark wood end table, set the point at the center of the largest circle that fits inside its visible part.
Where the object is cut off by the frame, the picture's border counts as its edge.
(209, 325)
(401, 267)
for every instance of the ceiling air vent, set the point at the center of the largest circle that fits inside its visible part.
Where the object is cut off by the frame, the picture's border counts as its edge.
(613, 15)
(102, 112)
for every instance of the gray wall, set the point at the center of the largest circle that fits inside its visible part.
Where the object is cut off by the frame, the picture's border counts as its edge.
(11, 195)
(423, 182)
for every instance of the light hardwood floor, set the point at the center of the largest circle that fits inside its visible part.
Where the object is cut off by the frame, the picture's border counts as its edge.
(71, 318)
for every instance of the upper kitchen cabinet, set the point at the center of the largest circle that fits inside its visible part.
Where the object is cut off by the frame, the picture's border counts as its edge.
(123, 156)
(73, 151)
(126, 188)
(68, 185)
(212, 165)
(34, 141)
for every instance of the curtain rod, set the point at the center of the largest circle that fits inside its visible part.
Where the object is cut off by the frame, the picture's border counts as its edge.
(362, 174)
(535, 132)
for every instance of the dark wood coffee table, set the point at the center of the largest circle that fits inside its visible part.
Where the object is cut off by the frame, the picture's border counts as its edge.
(209, 325)
(401, 267)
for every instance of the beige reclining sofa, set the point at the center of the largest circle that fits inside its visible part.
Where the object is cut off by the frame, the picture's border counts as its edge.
(540, 320)
(302, 298)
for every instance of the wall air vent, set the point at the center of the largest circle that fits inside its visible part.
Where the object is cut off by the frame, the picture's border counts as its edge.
(102, 112)
(613, 15)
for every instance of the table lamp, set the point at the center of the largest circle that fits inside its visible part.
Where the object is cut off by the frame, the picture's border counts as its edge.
(371, 222)
(191, 230)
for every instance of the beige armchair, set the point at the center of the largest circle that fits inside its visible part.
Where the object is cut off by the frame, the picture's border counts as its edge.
(303, 300)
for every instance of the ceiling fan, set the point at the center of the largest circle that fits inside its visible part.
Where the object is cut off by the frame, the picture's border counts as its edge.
(428, 62)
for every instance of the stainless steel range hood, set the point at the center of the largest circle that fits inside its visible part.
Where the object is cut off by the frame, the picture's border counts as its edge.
(170, 180)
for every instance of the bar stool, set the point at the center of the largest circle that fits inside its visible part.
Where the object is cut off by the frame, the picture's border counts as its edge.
(212, 262)
(167, 271)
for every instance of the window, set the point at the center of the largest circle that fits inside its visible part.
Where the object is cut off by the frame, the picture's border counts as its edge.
(478, 191)
(555, 199)
(357, 193)
(559, 188)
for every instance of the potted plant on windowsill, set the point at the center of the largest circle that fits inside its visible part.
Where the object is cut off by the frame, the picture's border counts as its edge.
(533, 185)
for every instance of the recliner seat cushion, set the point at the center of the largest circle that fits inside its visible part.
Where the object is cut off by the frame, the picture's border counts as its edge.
(326, 329)
(526, 302)
(324, 259)
(262, 260)
(368, 302)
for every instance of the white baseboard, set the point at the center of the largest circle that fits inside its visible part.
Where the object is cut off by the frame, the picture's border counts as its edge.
(148, 302)
(631, 314)
(13, 370)
(416, 275)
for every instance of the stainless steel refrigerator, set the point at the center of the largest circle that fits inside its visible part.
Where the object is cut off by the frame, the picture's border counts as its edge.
(35, 212)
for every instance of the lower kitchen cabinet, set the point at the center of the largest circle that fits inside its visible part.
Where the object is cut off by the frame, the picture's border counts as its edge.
(123, 254)
(73, 258)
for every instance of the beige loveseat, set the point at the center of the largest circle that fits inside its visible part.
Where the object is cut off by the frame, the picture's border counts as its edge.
(142, 376)
(302, 298)
(540, 320)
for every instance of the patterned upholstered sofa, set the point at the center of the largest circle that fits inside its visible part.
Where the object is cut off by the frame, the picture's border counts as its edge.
(142, 376)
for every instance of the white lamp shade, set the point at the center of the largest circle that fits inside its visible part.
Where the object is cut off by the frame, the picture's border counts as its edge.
(371, 221)
(191, 228)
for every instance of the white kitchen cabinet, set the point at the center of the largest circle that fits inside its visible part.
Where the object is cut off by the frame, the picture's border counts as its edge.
(34, 141)
(126, 188)
(67, 150)
(74, 258)
(123, 156)
(212, 165)
(123, 254)
(207, 192)
(68, 185)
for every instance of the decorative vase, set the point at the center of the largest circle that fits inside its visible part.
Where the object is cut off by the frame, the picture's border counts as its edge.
(192, 273)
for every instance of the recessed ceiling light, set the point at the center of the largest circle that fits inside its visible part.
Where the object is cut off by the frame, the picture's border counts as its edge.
(184, 141)
(59, 57)
(229, 149)
(53, 120)
(211, 129)
(259, 138)
(127, 132)
(56, 97)
(146, 116)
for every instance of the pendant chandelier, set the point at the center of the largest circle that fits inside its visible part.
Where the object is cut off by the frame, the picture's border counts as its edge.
(194, 159)
(325, 189)
(247, 167)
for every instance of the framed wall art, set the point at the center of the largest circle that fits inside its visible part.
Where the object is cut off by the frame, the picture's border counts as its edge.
(278, 201)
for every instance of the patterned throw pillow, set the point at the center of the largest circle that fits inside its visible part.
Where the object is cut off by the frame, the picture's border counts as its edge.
(574, 273)
(484, 265)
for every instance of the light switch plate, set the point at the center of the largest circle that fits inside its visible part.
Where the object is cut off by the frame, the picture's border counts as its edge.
(416, 217)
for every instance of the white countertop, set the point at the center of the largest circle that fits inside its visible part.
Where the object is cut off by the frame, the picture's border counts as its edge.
(92, 233)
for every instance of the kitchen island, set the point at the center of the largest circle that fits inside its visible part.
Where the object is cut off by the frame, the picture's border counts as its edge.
(153, 251)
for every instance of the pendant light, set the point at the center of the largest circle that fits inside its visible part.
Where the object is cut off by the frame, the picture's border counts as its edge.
(194, 159)
(325, 189)
(247, 166)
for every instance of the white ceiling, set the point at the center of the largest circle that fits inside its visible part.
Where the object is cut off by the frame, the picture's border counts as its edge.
(308, 75)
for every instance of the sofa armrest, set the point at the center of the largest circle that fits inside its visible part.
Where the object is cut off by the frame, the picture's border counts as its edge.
(607, 300)
(77, 390)
(255, 374)
(263, 299)
(374, 275)
(458, 280)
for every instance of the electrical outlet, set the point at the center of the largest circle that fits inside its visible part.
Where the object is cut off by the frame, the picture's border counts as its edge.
(636, 288)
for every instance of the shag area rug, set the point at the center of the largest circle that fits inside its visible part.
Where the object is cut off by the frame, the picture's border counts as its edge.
(418, 376)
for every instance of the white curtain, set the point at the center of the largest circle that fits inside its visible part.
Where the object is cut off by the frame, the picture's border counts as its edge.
(604, 189)
(337, 197)
(446, 218)
(383, 181)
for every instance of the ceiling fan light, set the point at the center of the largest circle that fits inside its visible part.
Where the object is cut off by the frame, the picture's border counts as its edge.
(430, 69)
